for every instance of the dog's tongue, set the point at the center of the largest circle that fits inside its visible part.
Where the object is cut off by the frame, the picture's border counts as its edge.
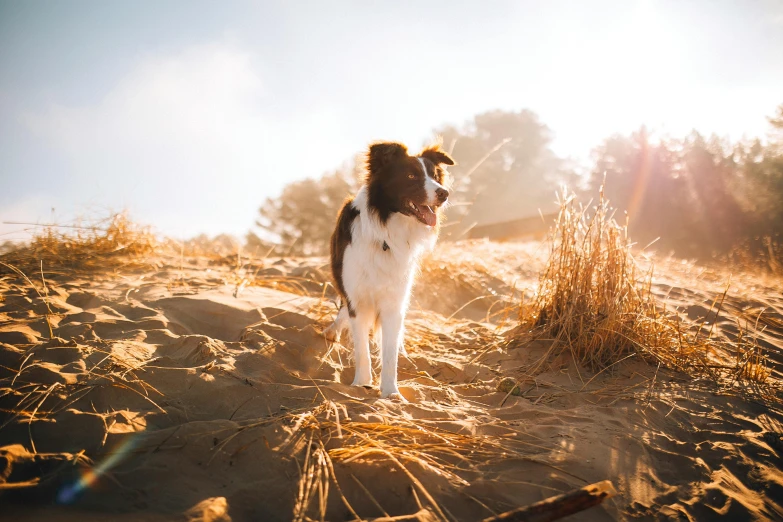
(428, 215)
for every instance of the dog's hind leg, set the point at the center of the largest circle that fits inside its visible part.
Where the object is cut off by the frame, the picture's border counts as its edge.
(375, 339)
(335, 330)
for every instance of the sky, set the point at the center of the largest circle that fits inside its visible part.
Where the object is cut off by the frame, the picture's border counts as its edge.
(190, 114)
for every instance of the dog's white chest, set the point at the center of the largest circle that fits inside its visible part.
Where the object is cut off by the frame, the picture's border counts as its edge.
(376, 275)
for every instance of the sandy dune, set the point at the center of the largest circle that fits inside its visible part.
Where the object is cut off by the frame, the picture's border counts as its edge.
(178, 393)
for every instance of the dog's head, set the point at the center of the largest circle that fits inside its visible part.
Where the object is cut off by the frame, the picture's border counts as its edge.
(414, 186)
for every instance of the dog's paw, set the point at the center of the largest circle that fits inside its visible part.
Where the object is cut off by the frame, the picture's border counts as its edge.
(332, 334)
(362, 380)
(395, 396)
(392, 393)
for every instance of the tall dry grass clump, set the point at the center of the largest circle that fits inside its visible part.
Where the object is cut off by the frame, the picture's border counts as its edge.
(588, 297)
(594, 301)
(113, 241)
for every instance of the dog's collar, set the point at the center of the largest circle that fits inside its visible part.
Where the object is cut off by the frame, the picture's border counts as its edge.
(385, 246)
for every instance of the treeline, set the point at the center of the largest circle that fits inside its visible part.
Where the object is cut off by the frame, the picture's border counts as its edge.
(696, 196)
(505, 170)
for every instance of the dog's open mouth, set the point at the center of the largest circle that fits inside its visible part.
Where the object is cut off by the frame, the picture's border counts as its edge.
(424, 213)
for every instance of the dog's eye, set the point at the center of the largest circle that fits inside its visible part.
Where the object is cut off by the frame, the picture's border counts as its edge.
(411, 176)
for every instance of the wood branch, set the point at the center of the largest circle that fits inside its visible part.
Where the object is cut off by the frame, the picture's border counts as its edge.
(559, 506)
(423, 515)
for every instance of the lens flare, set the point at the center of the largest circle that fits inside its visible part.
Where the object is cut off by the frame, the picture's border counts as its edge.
(90, 477)
(641, 181)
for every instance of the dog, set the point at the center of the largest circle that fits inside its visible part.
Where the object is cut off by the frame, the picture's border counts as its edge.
(378, 240)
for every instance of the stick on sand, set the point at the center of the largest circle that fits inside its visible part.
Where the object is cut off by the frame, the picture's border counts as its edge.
(559, 506)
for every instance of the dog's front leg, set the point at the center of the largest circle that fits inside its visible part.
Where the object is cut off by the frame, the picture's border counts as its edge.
(360, 330)
(392, 332)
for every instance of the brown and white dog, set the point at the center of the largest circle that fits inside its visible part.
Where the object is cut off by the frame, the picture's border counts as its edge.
(379, 238)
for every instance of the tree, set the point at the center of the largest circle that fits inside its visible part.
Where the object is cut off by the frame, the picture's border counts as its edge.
(645, 182)
(505, 168)
(700, 196)
(301, 219)
(760, 184)
(776, 133)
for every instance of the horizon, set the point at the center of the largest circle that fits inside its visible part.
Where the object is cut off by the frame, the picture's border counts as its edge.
(191, 115)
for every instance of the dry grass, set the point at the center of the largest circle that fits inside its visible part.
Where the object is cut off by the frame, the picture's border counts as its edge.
(324, 435)
(113, 241)
(27, 396)
(593, 301)
(117, 241)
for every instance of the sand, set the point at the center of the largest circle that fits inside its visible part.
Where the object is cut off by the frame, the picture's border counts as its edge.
(175, 391)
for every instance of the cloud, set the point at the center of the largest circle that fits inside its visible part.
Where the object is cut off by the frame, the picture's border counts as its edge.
(189, 141)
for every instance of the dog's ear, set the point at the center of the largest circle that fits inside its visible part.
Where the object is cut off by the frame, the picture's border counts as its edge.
(436, 155)
(381, 154)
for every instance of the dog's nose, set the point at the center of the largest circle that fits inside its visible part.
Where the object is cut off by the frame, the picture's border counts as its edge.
(442, 194)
